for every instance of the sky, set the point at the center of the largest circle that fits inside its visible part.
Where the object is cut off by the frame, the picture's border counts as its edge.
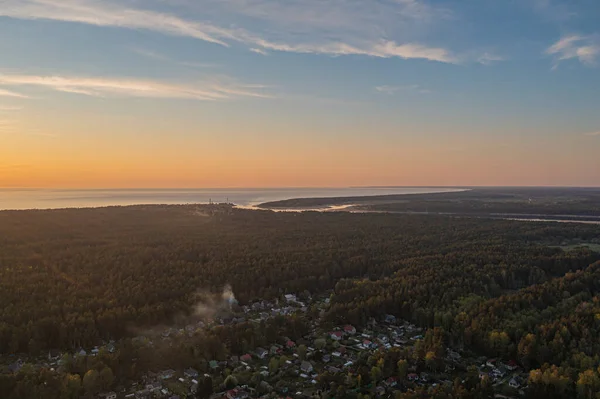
(299, 93)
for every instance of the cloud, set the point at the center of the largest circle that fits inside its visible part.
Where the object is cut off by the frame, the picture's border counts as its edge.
(391, 90)
(592, 133)
(161, 57)
(5, 108)
(488, 59)
(109, 14)
(91, 86)
(583, 48)
(8, 93)
(259, 51)
(340, 27)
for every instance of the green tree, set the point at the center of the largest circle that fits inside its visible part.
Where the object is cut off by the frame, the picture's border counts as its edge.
(273, 365)
(375, 374)
(107, 378)
(231, 382)
(402, 368)
(71, 387)
(91, 382)
(301, 352)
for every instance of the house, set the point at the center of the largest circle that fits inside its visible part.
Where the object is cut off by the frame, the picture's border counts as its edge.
(15, 367)
(515, 382)
(190, 373)
(54, 355)
(413, 377)
(336, 335)
(108, 395)
(491, 363)
(246, 358)
(213, 364)
(236, 394)
(333, 370)
(326, 358)
(336, 354)
(512, 365)
(166, 374)
(81, 352)
(306, 367)
(110, 348)
(390, 319)
(379, 390)
(261, 353)
(348, 329)
(290, 298)
(290, 344)
(391, 382)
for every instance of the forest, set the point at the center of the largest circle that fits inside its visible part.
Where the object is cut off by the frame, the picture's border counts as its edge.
(515, 290)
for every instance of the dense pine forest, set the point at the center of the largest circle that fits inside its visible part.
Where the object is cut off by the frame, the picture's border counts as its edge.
(513, 290)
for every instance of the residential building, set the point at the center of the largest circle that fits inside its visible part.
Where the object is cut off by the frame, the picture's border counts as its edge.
(306, 367)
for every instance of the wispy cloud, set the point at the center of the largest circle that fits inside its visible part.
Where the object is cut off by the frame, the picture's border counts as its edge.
(110, 14)
(161, 57)
(489, 58)
(349, 28)
(259, 51)
(7, 108)
(9, 93)
(592, 134)
(208, 91)
(586, 49)
(395, 89)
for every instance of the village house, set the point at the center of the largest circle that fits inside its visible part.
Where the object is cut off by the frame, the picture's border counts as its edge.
(336, 335)
(54, 355)
(261, 353)
(166, 374)
(391, 382)
(108, 395)
(190, 373)
(512, 365)
(413, 377)
(290, 298)
(515, 382)
(306, 367)
(246, 358)
(348, 329)
(237, 394)
(290, 344)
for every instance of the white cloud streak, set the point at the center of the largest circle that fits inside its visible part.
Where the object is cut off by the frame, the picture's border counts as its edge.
(259, 51)
(489, 59)
(158, 56)
(111, 15)
(102, 87)
(6, 108)
(9, 93)
(593, 133)
(586, 49)
(336, 36)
